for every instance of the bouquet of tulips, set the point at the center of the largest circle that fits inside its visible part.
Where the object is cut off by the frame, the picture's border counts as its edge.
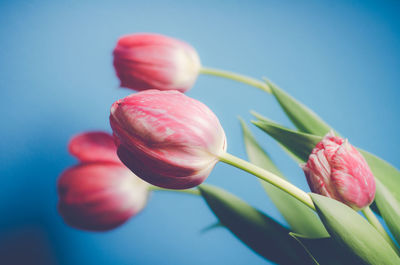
(165, 140)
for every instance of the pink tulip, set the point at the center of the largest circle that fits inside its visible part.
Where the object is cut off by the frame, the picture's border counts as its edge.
(98, 194)
(336, 169)
(152, 61)
(167, 138)
(93, 147)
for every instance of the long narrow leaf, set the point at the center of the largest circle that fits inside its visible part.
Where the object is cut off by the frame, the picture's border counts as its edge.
(327, 251)
(389, 207)
(308, 122)
(348, 228)
(258, 231)
(300, 218)
(386, 173)
(301, 116)
(300, 145)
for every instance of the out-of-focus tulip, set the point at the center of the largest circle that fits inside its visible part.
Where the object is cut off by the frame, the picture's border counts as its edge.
(100, 196)
(337, 170)
(93, 146)
(166, 138)
(100, 193)
(153, 61)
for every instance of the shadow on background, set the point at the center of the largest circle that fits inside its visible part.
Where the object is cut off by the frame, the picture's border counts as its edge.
(26, 243)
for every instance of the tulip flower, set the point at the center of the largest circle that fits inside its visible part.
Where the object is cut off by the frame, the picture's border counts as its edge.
(153, 61)
(100, 193)
(166, 138)
(336, 169)
(100, 196)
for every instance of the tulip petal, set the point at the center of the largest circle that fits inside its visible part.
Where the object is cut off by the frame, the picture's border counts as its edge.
(100, 196)
(93, 146)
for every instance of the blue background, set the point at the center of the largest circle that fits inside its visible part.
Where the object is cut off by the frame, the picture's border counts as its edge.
(341, 58)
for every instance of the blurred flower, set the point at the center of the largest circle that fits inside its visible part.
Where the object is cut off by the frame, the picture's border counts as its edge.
(166, 138)
(100, 193)
(152, 61)
(93, 147)
(336, 169)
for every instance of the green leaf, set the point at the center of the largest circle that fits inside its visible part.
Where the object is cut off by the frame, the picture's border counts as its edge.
(386, 173)
(389, 207)
(298, 144)
(348, 228)
(301, 116)
(211, 227)
(300, 218)
(258, 231)
(326, 251)
(308, 122)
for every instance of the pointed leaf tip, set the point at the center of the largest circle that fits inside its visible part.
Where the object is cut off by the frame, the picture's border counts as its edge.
(351, 230)
(258, 231)
(302, 117)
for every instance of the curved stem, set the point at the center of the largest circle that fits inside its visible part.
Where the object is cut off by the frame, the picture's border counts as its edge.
(237, 77)
(187, 191)
(371, 217)
(269, 177)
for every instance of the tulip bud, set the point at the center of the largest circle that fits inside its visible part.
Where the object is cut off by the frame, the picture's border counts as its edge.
(337, 170)
(100, 196)
(166, 138)
(152, 61)
(100, 193)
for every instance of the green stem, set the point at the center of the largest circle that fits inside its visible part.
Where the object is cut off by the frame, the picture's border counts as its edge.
(237, 77)
(371, 217)
(187, 191)
(268, 177)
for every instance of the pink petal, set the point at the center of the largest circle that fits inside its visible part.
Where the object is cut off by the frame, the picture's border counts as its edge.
(100, 196)
(93, 146)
